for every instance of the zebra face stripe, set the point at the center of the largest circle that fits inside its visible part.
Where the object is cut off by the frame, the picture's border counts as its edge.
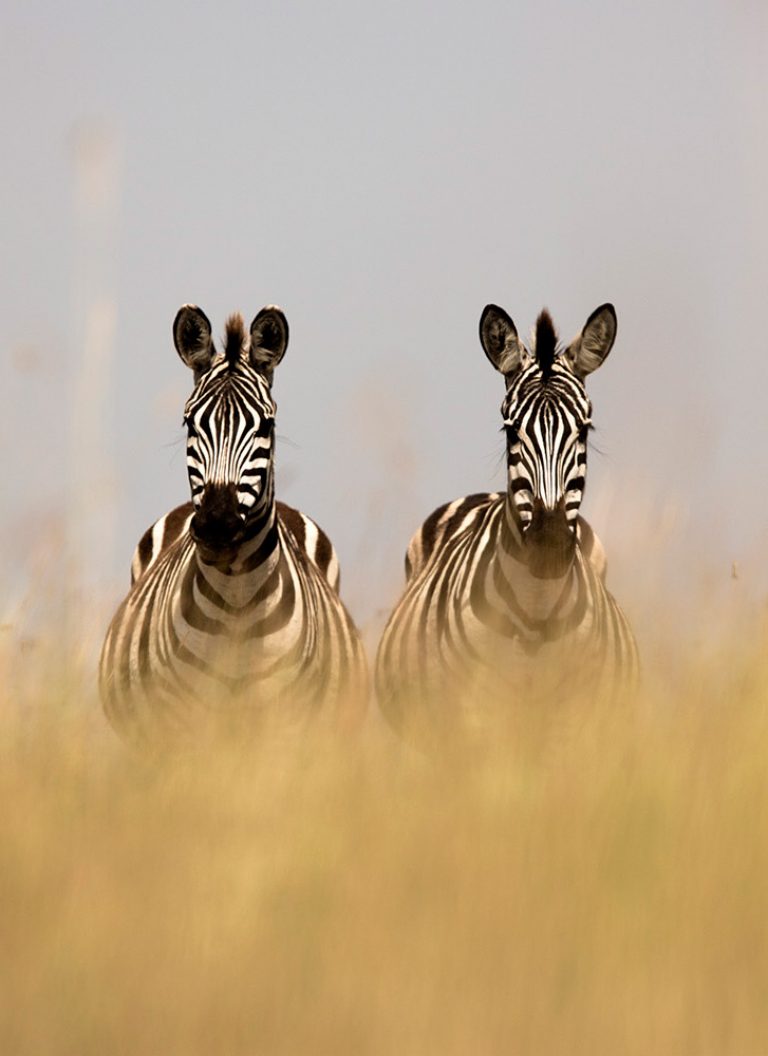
(546, 421)
(230, 420)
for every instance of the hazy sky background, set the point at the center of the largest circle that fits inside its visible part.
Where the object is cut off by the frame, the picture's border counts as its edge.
(382, 171)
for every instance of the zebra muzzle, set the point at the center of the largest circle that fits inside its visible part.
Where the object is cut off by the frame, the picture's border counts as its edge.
(550, 540)
(218, 522)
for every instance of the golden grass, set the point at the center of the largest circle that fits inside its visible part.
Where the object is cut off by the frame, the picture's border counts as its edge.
(601, 893)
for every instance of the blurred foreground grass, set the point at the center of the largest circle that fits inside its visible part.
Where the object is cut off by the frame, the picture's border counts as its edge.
(601, 893)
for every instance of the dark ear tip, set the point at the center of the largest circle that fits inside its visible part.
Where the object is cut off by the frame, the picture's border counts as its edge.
(270, 309)
(269, 333)
(274, 313)
(604, 309)
(493, 320)
(187, 310)
(494, 311)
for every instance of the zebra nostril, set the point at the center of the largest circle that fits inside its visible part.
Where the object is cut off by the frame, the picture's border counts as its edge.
(218, 519)
(550, 522)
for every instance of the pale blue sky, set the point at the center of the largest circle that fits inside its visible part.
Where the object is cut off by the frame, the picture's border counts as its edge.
(382, 171)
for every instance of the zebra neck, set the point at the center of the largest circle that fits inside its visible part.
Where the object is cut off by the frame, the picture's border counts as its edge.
(518, 563)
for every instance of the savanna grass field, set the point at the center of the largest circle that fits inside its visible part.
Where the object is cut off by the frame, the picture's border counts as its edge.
(595, 885)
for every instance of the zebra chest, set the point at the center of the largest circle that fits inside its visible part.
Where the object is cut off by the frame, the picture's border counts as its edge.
(493, 603)
(501, 630)
(238, 625)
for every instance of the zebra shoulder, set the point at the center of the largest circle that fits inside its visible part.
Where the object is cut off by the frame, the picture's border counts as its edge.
(592, 548)
(158, 537)
(442, 524)
(312, 541)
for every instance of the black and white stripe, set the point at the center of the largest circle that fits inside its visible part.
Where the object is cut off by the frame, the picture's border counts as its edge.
(505, 601)
(234, 614)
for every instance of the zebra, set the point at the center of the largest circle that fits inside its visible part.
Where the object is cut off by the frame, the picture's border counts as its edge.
(505, 600)
(233, 618)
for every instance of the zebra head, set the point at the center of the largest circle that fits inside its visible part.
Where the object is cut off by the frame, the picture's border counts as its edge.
(547, 416)
(230, 420)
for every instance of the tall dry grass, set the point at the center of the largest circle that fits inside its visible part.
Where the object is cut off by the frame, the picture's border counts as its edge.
(604, 892)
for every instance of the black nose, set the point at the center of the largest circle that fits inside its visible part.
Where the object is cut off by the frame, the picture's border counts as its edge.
(550, 540)
(217, 521)
(550, 526)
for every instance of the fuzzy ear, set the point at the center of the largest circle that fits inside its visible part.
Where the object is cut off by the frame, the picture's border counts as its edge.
(499, 339)
(192, 338)
(269, 338)
(593, 344)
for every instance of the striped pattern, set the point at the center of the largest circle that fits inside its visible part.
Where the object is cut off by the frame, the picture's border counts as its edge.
(505, 601)
(233, 618)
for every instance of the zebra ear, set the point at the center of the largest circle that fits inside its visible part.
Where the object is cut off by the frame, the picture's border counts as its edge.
(269, 338)
(593, 344)
(192, 338)
(499, 339)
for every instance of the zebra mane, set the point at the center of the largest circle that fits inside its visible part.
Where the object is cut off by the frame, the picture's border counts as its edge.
(234, 338)
(545, 343)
